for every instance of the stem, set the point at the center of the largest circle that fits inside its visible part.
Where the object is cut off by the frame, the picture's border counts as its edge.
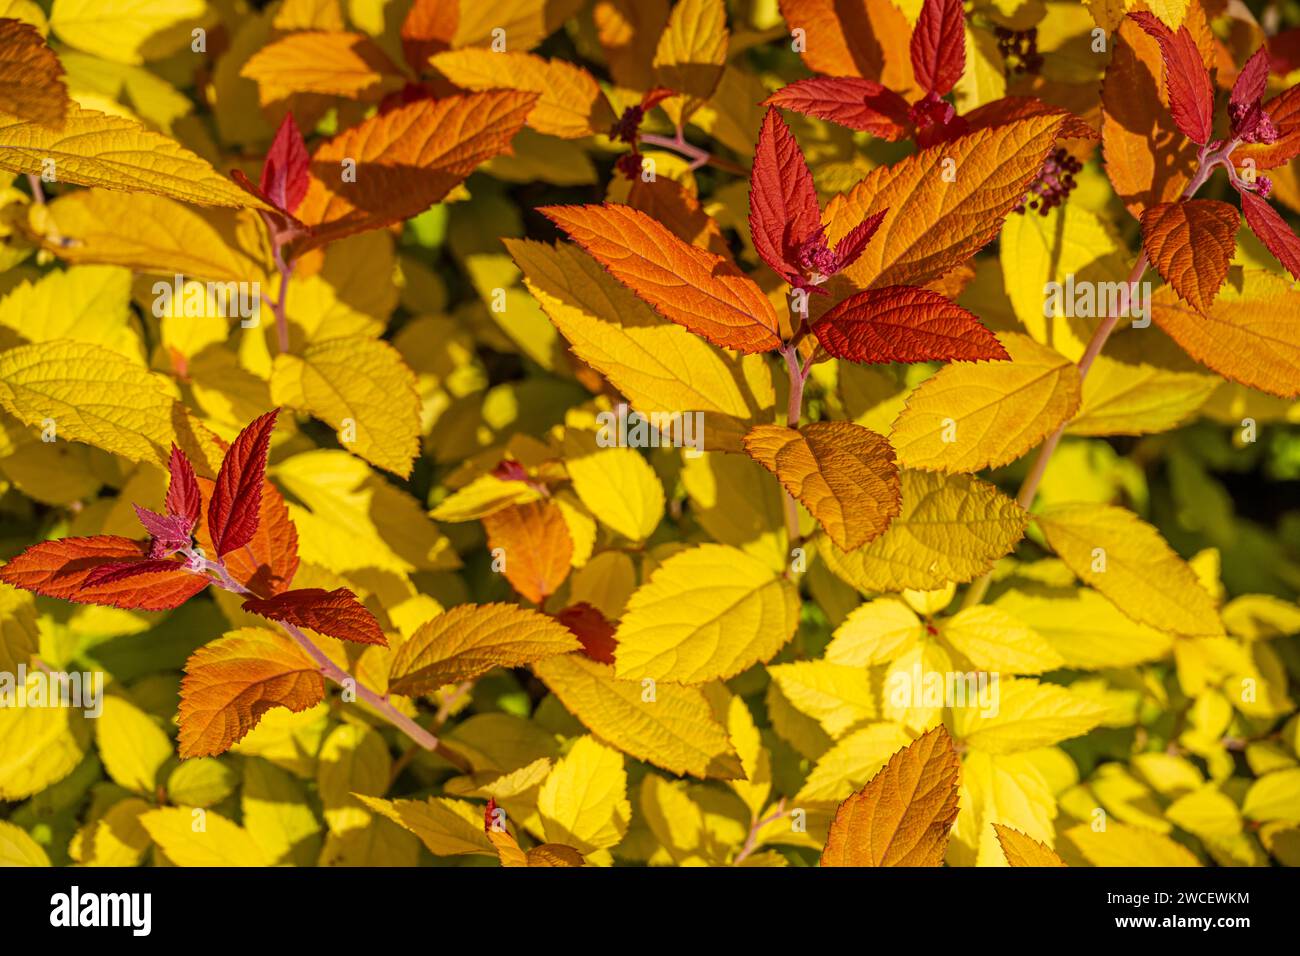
(379, 703)
(38, 191)
(751, 842)
(1208, 160)
(281, 316)
(793, 409)
(697, 155)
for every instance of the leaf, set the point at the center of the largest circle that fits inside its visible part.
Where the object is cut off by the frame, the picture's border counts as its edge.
(127, 32)
(19, 635)
(267, 564)
(353, 759)
(850, 101)
(1123, 845)
(592, 628)
(93, 149)
(950, 528)
(995, 641)
(405, 160)
(428, 28)
(329, 63)
(1187, 82)
(337, 613)
(875, 633)
(39, 746)
(783, 207)
(1007, 789)
(131, 745)
(468, 641)
(447, 827)
(690, 286)
(843, 473)
(220, 842)
(235, 508)
(277, 815)
(837, 696)
(284, 172)
(706, 613)
(31, 77)
(657, 365)
(17, 848)
(902, 817)
(232, 681)
(852, 761)
(1284, 112)
(59, 569)
(904, 324)
(1272, 230)
(183, 496)
(1029, 714)
(938, 45)
(1190, 244)
(570, 103)
(360, 386)
(1249, 335)
(151, 234)
(616, 484)
(969, 417)
(583, 802)
(1087, 630)
(934, 225)
(668, 725)
(1021, 850)
(84, 303)
(690, 55)
(1128, 561)
(1274, 796)
(535, 544)
(867, 38)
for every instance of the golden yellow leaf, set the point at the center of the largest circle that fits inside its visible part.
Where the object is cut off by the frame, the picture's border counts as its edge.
(690, 55)
(447, 827)
(583, 802)
(1022, 850)
(329, 63)
(128, 31)
(1123, 845)
(202, 838)
(1028, 714)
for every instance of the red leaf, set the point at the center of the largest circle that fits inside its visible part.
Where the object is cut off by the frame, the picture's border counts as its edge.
(59, 569)
(848, 100)
(904, 324)
(939, 45)
(337, 613)
(284, 173)
(850, 247)
(183, 498)
(590, 627)
(783, 209)
(1191, 95)
(1252, 80)
(1284, 113)
(170, 533)
(267, 564)
(237, 497)
(112, 573)
(1284, 51)
(1272, 231)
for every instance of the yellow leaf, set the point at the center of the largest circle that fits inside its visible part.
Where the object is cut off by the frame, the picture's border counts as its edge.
(355, 759)
(950, 528)
(1087, 630)
(570, 102)
(994, 640)
(736, 501)
(94, 149)
(132, 746)
(691, 53)
(114, 839)
(617, 485)
(525, 23)
(970, 416)
(361, 387)
(843, 473)
(17, 848)
(1021, 850)
(277, 815)
(1007, 789)
(201, 838)
(706, 613)
(1026, 714)
(659, 365)
(19, 637)
(83, 304)
(447, 827)
(875, 633)
(837, 696)
(469, 640)
(1255, 617)
(756, 787)
(583, 802)
(128, 31)
(482, 496)
(1274, 796)
(667, 725)
(852, 762)
(1123, 845)
(1128, 561)
(39, 746)
(902, 817)
(201, 782)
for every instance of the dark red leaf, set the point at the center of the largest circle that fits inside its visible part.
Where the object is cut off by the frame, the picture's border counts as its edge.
(59, 569)
(939, 45)
(850, 247)
(1272, 230)
(237, 497)
(783, 209)
(1187, 82)
(337, 613)
(112, 573)
(1252, 80)
(183, 498)
(591, 628)
(904, 324)
(848, 100)
(284, 173)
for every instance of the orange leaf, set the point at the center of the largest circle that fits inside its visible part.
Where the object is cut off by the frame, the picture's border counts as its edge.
(903, 815)
(267, 564)
(404, 161)
(230, 683)
(535, 542)
(337, 613)
(1250, 334)
(31, 77)
(867, 38)
(1284, 111)
(1021, 850)
(59, 569)
(668, 202)
(944, 203)
(313, 61)
(429, 28)
(843, 473)
(684, 283)
(1190, 244)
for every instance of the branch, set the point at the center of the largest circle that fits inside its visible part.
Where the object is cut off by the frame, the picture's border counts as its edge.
(794, 408)
(697, 155)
